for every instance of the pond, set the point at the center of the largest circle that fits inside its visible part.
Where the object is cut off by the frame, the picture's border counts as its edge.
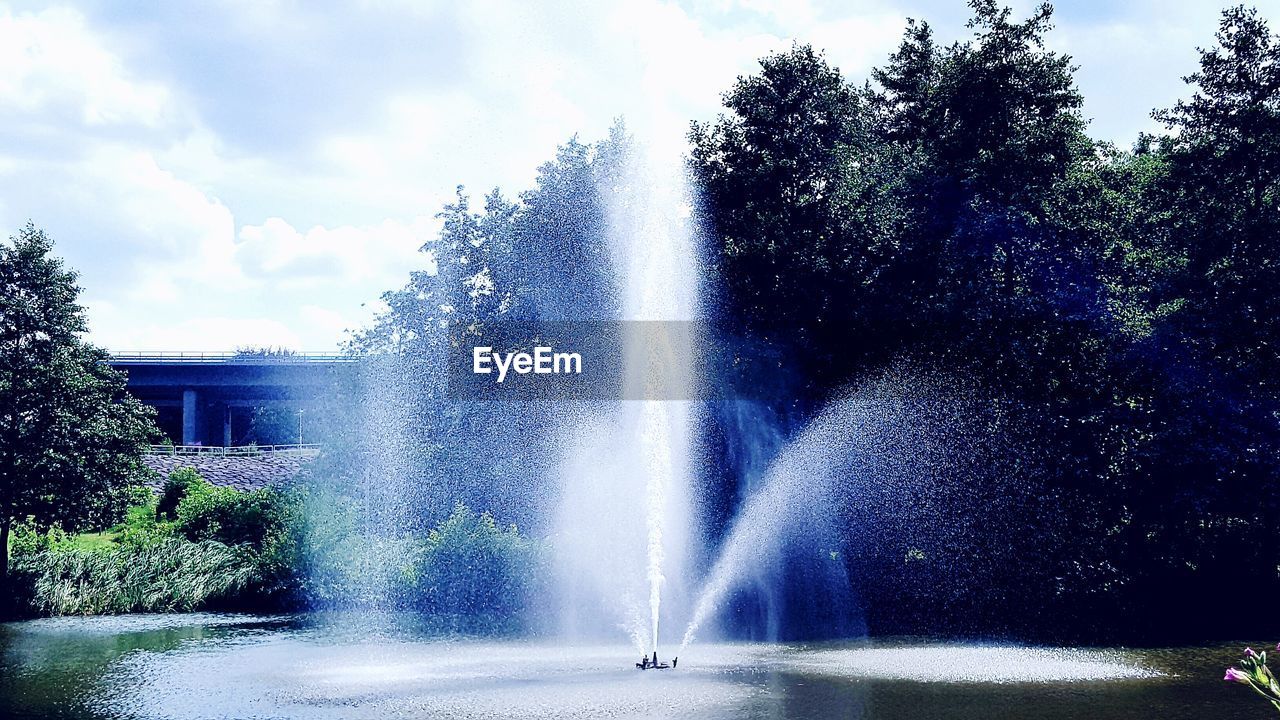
(363, 666)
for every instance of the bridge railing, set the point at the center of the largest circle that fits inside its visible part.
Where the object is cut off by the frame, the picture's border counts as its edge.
(223, 356)
(235, 451)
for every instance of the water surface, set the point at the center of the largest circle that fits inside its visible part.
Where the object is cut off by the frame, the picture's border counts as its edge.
(360, 666)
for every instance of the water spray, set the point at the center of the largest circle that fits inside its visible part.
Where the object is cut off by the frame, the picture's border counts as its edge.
(795, 487)
(625, 518)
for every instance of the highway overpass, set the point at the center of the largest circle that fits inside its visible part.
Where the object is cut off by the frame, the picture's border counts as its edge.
(210, 398)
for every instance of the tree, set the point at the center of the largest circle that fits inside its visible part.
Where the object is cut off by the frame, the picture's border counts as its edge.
(799, 209)
(542, 258)
(1203, 491)
(952, 214)
(71, 439)
(1225, 183)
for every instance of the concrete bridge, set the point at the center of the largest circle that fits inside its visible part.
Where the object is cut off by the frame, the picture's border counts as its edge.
(213, 398)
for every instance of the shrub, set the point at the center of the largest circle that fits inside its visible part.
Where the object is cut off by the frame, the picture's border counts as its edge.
(278, 548)
(336, 564)
(228, 515)
(142, 525)
(476, 571)
(468, 573)
(27, 540)
(175, 489)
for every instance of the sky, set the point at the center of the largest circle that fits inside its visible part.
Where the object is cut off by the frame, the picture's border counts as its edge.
(242, 174)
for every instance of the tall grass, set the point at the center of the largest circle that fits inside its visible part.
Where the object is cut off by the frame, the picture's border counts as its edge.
(168, 575)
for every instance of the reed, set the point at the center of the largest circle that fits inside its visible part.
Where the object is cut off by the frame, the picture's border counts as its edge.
(168, 575)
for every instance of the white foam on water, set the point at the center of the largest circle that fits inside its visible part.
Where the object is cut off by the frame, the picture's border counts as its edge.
(972, 664)
(302, 676)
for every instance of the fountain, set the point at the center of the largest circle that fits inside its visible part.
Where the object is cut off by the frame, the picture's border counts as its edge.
(625, 523)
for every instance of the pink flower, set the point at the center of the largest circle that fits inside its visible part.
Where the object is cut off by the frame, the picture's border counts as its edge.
(1236, 675)
(1248, 652)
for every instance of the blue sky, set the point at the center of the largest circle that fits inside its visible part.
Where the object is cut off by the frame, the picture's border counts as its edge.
(226, 174)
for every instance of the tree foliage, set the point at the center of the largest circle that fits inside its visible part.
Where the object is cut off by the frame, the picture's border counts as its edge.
(71, 439)
(1116, 310)
(541, 257)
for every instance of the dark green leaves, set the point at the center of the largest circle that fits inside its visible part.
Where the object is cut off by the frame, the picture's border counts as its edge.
(70, 438)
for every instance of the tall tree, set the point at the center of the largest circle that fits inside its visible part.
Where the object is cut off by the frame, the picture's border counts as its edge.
(71, 438)
(798, 207)
(542, 258)
(1203, 494)
(933, 214)
(1225, 178)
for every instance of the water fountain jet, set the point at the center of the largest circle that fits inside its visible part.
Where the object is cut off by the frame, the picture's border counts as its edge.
(797, 494)
(625, 518)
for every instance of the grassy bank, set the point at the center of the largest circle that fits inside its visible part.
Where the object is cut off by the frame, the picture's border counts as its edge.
(194, 546)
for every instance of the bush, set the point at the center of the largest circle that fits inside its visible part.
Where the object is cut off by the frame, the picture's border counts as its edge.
(337, 564)
(264, 523)
(274, 548)
(26, 540)
(142, 524)
(476, 571)
(221, 546)
(228, 515)
(468, 573)
(175, 489)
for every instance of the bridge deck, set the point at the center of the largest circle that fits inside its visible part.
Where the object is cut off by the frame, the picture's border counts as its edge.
(202, 396)
(221, 357)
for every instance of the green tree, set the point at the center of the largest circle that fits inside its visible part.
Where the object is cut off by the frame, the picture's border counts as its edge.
(999, 114)
(540, 258)
(952, 212)
(71, 439)
(800, 208)
(1203, 493)
(1224, 160)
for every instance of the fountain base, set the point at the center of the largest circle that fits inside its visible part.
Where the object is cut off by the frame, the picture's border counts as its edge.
(647, 663)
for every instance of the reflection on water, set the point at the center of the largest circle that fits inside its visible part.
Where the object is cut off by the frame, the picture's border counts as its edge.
(360, 666)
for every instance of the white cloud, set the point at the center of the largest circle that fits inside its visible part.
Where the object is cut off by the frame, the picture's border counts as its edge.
(1133, 65)
(320, 258)
(52, 61)
(182, 230)
(857, 44)
(332, 322)
(170, 331)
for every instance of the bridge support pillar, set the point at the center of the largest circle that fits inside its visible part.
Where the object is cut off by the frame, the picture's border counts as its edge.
(189, 420)
(226, 426)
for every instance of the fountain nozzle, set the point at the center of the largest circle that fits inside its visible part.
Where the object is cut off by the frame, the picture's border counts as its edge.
(652, 664)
